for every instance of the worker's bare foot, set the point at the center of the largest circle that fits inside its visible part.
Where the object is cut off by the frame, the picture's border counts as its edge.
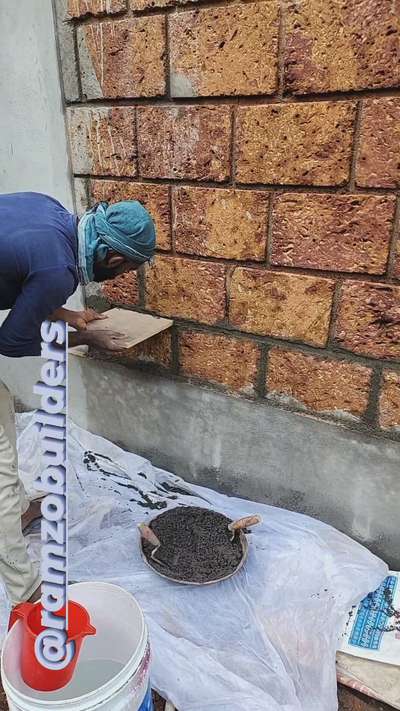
(36, 595)
(32, 514)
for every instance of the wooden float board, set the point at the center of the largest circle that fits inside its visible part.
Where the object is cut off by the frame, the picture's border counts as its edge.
(136, 327)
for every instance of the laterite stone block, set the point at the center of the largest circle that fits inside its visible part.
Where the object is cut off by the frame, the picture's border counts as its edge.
(341, 46)
(389, 401)
(124, 289)
(318, 384)
(368, 320)
(103, 140)
(156, 350)
(231, 362)
(304, 144)
(289, 306)
(378, 163)
(123, 59)
(81, 8)
(346, 233)
(225, 51)
(230, 224)
(187, 289)
(185, 142)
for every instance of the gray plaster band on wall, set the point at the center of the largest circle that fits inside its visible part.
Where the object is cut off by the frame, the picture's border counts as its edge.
(67, 51)
(348, 479)
(91, 87)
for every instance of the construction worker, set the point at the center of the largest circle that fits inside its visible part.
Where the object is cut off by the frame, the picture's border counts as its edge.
(45, 252)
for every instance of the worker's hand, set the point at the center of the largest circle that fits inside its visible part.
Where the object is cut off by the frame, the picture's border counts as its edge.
(81, 319)
(77, 319)
(105, 340)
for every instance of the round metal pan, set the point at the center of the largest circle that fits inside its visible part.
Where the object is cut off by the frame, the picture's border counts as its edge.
(245, 551)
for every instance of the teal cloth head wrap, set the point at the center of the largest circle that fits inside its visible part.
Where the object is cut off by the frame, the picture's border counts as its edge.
(125, 227)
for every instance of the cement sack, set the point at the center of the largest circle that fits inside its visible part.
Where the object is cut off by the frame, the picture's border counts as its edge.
(372, 629)
(266, 638)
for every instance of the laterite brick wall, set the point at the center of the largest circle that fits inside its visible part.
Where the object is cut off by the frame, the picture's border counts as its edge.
(264, 137)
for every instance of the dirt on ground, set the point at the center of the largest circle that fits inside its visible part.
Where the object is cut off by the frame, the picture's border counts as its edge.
(349, 700)
(196, 545)
(159, 703)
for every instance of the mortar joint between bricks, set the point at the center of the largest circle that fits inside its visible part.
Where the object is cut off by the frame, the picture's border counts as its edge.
(355, 145)
(167, 56)
(261, 381)
(175, 350)
(394, 241)
(142, 287)
(281, 51)
(171, 202)
(269, 229)
(131, 13)
(286, 269)
(371, 415)
(78, 64)
(266, 187)
(233, 142)
(228, 279)
(334, 312)
(225, 328)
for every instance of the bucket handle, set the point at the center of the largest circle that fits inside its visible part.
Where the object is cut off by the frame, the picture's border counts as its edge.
(20, 612)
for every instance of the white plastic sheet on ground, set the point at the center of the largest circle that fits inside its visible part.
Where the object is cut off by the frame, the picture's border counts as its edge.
(264, 640)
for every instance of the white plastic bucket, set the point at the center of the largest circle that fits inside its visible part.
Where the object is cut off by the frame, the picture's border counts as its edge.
(113, 669)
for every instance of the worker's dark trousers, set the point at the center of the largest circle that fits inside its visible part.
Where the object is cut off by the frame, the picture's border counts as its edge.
(17, 572)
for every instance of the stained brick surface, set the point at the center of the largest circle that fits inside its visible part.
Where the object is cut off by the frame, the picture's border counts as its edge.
(124, 289)
(124, 58)
(81, 8)
(389, 402)
(155, 350)
(186, 288)
(230, 224)
(369, 319)
(349, 233)
(185, 142)
(288, 306)
(307, 143)
(226, 50)
(378, 163)
(232, 362)
(154, 197)
(338, 46)
(320, 384)
(103, 140)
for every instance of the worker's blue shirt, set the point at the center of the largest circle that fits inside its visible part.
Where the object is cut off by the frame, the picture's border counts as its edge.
(38, 272)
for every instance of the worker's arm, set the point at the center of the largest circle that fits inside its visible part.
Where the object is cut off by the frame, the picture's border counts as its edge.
(42, 293)
(77, 319)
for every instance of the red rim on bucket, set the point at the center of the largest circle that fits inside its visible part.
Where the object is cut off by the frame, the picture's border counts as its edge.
(33, 672)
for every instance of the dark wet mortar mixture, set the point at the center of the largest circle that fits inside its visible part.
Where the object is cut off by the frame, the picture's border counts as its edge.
(196, 545)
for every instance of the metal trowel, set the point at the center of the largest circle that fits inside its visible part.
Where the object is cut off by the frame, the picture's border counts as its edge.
(148, 535)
